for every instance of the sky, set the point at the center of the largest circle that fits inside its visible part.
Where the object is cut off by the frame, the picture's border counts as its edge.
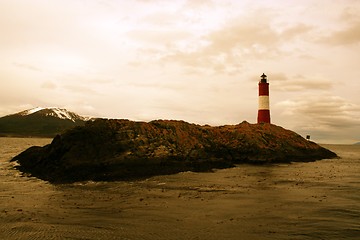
(193, 60)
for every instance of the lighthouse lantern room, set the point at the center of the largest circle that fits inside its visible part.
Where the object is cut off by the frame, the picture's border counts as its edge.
(264, 109)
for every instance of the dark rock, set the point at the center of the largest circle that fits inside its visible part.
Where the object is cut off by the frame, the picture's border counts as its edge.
(106, 150)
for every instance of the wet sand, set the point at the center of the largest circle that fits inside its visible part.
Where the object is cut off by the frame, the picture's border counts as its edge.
(318, 200)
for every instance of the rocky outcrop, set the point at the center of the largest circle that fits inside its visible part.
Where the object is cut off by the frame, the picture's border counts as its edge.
(122, 149)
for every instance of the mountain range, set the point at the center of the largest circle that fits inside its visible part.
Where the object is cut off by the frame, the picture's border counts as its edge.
(39, 122)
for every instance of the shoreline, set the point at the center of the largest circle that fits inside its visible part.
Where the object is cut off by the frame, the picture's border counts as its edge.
(113, 149)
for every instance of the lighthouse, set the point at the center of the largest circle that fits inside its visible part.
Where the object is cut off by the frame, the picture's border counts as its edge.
(264, 109)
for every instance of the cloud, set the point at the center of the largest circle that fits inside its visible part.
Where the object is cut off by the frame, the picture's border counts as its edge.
(348, 36)
(323, 115)
(225, 49)
(281, 82)
(49, 85)
(164, 19)
(81, 89)
(191, 4)
(185, 59)
(296, 31)
(323, 107)
(349, 31)
(158, 36)
(27, 66)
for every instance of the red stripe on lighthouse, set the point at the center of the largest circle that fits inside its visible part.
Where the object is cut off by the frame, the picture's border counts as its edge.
(263, 116)
(264, 108)
(263, 89)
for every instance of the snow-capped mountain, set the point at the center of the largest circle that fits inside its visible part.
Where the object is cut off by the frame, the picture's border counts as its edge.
(40, 121)
(54, 112)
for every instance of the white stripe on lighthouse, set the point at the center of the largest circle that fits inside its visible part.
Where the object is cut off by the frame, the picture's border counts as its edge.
(264, 103)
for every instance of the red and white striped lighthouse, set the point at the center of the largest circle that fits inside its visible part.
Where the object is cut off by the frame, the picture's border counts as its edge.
(264, 109)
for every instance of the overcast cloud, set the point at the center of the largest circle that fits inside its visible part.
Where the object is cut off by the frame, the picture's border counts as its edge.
(195, 60)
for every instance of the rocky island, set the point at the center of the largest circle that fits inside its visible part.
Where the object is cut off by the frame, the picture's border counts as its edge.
(113, 149)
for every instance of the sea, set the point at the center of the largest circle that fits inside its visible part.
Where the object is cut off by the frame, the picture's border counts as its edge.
(313, 200)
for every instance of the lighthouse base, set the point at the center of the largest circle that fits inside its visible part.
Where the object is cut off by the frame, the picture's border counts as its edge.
(263, 116)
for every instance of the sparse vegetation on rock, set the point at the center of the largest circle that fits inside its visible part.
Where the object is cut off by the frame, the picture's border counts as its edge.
(122, 149)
